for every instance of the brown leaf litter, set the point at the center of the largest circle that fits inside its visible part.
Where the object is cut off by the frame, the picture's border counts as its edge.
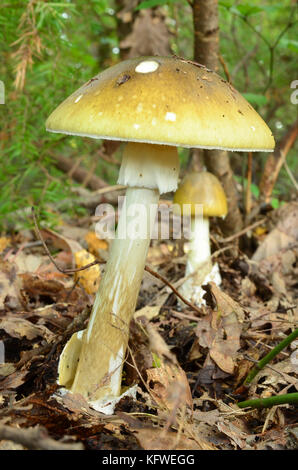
(189, 364)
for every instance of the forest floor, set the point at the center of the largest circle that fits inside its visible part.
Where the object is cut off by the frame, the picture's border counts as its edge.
(187, 398)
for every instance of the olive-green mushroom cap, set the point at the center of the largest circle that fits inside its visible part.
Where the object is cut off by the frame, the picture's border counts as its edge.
(202, 189)
(163, 100)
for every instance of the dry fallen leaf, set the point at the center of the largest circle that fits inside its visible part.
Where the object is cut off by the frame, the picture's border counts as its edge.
(147, 312)
(208, 417)
(18, 327)
(14, 380)
(169, 386)
(7, 369)
(9, 285)
(88, 278)
(225, 304)
(220, 331)
(159, 439)
(237, 436)
(27, 263)
(282, 236)
(95, 244)
(4, 243)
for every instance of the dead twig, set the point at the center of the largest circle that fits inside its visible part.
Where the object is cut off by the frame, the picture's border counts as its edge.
(64, 271)
(242, 232)
(274, 163)
(226, 70)
(165, 281)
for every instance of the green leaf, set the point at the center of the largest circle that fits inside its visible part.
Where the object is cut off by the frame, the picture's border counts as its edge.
(255, 99)
(156, 360)
(245, 9)
(226, 3)
(289, 44)
(255, 190)
(153, 3)
(275, 203)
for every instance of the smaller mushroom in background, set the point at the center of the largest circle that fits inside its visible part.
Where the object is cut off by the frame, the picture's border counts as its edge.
(201, 196)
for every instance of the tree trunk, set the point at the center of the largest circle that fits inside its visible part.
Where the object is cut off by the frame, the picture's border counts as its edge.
(206, 37)
(206, 52)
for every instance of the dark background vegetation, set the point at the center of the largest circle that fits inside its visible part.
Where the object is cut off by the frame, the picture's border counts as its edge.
(48, 49)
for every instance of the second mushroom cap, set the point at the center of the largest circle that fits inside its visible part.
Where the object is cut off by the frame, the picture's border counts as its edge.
(202, 189)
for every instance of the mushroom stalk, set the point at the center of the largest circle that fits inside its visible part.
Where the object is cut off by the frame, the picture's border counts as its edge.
(99, 370)
(199, 249)
(199, 265)
(103, 344)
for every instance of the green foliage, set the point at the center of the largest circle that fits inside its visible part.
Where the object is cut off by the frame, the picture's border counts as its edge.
(153, 3)
(49, 44)
(255, 99)
(156, 361)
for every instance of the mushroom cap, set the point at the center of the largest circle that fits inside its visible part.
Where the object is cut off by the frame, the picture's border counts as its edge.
(162, 100)
(204, 189)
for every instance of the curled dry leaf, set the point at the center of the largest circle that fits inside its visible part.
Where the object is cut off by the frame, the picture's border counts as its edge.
(220, 331)
(75, 403)
(237, 436)
(58, 241)
(20, 328)
(225, 304)
(159, 346)
(169, 386)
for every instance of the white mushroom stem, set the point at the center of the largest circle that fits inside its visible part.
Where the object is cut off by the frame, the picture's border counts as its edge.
(199, 247)
(199, 266)
(104, 343)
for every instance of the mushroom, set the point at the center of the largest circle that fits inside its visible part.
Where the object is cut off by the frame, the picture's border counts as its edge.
(156, 104)
(201, 196)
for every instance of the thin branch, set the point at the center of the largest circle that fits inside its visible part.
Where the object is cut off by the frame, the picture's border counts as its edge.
(226, 70)
(270, 46)
(165, 281)
(275, 161)
(291, 176)
(64, 271)
(242, 232)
